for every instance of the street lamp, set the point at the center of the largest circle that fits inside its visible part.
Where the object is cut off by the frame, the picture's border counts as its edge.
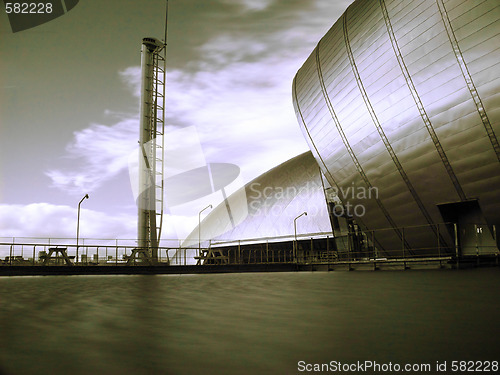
(295, 227)
(78, 225)
(199, 230)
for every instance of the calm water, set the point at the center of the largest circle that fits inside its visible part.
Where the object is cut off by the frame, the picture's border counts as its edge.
(245, 323)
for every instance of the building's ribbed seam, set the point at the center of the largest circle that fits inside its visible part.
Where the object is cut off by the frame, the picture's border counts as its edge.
(348, 147)
(419, 104)
(379, 128)
(468, 78)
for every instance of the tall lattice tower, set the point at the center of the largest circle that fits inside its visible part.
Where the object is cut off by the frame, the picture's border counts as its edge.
(152, 127)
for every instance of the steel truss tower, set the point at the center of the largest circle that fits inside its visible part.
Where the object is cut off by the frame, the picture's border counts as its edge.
(151, 155)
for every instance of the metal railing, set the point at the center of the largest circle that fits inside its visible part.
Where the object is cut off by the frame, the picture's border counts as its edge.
(439, 241)
(42, 254)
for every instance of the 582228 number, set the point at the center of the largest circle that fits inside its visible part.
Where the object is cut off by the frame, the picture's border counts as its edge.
(28, 8)
(476, 366)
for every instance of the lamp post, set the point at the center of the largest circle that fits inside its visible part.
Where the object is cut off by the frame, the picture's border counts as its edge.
(199, 230)
(295, 228)
(78, 225)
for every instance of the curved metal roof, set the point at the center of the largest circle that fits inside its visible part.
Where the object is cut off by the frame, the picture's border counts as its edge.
(403, 97)
(268, 205)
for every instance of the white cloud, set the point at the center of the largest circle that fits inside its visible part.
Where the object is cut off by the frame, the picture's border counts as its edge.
(236, 91)
(39, 222)
(44, 220)
(251, 5)
(131, 76)
(237, 95)
(242, 113)
(98, 153)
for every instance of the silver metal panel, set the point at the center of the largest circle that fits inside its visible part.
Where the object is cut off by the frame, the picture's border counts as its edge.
(390, 99)
(272, 202)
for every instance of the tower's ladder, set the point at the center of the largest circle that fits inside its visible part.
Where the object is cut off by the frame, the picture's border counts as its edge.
(158, 139)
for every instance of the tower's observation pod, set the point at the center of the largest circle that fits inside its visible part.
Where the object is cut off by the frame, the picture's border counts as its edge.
(150, 198)
(152, 44)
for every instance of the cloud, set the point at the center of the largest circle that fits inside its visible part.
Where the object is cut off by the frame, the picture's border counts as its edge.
(236, 91)
(243, 114)
(39, 222)
(229, 75)
(44, 220)
(97, 154)
(250, 5)
(131, 76)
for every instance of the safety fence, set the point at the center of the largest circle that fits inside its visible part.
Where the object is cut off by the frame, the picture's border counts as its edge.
(443, 240)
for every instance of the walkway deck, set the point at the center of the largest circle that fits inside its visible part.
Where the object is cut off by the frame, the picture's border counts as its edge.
(359, 265)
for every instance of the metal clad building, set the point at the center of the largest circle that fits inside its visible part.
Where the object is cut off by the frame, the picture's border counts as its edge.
(403, 97)
(268, 204)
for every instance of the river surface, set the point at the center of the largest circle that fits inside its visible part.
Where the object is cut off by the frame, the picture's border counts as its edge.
(256, 323)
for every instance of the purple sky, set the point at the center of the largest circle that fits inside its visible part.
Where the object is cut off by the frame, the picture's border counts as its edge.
(69, 106)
